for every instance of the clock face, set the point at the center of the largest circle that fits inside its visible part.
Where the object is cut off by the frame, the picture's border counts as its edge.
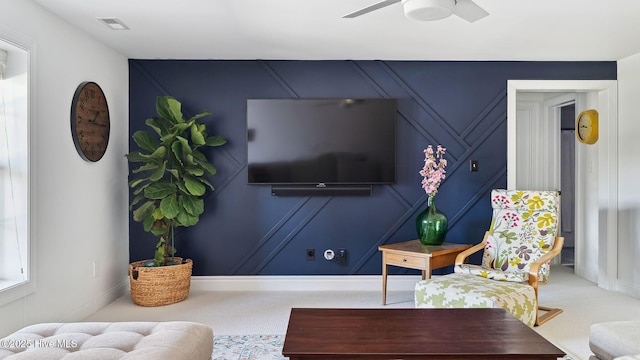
(587, 127)
(90, 122)
(584, 127)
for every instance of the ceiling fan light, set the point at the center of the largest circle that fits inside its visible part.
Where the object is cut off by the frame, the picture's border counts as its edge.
(428, 10)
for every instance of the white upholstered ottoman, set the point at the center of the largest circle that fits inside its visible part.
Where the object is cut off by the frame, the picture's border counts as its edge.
(618, 340)
(109, 341)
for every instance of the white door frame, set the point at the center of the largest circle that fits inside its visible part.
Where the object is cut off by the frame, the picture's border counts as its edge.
(605, 211)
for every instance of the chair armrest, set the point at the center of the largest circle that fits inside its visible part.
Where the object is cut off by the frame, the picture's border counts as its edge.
(462, 257)
(535, 266)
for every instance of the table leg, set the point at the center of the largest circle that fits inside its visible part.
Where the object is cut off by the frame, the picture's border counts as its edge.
(384, 280)
(426, 274)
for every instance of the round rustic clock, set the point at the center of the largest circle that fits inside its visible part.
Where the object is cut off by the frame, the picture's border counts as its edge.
(587, 127)
(90, 121)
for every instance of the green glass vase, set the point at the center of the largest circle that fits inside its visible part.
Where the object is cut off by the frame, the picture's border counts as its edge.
(431, 225)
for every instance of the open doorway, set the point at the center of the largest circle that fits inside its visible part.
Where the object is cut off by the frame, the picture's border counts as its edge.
(567, 182)
(596, 204)
(545, 129)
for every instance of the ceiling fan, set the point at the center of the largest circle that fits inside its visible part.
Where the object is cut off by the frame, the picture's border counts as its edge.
(427, 10)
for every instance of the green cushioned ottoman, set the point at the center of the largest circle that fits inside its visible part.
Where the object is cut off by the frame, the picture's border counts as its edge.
(469, 291)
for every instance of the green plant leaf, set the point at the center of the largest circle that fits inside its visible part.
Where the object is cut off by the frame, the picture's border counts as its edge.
(169, 206)
(199, 156)
(135, 182)
(195, 171)
(147, 223)
(200, 115)
(206, 182)
(168, 139)
(186, 147)
(158, 125)
(169, 108)
(179, 128)
(186, 219)
(174, 172)
(158, 154)
(140, 189)
(159, 190)
(187, 150)
(182, 188)
(145, 167)
(158, 231)
(136, 156)
(215, 141)
(159, 173)
(188, 160)
(196, 135)
(136, 200)
(194, 186)
(159, 255)
(144, 211)
(145, 140)
(177, 148)
(206, 166)
(158, 214)
(193, 205)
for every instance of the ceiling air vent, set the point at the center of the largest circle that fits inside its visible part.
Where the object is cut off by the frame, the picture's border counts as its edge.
(114, 23)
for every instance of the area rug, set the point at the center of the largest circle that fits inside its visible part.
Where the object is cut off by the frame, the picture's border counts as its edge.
(248, 347)
(253, 347)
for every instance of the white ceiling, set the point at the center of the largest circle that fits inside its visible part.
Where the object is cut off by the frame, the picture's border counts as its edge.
(553, 30)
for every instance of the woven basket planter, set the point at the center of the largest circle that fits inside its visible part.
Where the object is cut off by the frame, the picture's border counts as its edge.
(162, 285)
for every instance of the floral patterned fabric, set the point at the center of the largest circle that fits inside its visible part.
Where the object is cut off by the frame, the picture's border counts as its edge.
(523, 228)
(464, 291)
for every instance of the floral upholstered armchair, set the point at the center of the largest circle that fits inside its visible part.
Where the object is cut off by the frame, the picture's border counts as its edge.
(517, 250)
(522, 240)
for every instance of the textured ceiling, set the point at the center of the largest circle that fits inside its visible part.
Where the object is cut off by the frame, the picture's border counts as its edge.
(553, 30)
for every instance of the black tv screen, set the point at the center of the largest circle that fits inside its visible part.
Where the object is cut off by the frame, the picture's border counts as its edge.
(321, 141)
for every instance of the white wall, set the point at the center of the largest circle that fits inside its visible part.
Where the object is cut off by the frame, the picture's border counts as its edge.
(81, 213)
(629, 175)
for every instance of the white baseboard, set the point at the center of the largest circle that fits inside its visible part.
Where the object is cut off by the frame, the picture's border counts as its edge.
(303, 283)
(99, 302)
(628, 288)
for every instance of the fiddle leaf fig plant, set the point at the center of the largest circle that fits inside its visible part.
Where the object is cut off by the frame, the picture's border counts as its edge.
(171, 180)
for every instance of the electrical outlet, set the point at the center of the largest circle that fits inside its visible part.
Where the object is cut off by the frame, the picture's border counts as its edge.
(341, 256)
(311, 254)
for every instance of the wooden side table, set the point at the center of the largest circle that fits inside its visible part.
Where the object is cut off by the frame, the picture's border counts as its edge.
(413, 255)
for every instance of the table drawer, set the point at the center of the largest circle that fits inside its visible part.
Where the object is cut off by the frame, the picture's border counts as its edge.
(408, 261)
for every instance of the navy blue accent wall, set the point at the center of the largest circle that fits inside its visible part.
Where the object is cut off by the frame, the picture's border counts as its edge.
(246, 231)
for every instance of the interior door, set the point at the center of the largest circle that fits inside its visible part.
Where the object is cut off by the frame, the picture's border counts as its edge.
(538, 149)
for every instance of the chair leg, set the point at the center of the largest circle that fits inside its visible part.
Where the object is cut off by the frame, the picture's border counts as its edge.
(549, 314)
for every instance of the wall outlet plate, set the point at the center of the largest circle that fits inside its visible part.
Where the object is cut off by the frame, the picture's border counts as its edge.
(329, 254)
(473, 165)
(311, 254)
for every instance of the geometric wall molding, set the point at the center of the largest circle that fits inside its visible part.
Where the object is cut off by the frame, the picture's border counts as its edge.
(245, 231)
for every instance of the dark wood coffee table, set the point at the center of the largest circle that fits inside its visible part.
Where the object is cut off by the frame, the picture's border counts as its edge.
(412, 334)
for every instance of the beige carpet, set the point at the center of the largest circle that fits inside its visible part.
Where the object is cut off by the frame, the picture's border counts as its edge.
(267, 313)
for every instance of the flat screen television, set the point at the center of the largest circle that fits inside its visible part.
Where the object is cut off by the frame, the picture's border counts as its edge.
(321, 141)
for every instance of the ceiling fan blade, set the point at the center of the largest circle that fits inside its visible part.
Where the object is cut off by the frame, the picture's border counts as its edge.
(370, 8)
(469, 10)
